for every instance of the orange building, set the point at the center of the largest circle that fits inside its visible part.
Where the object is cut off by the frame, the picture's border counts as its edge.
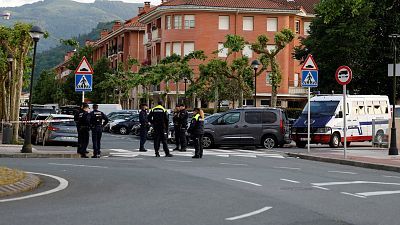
(182, 26)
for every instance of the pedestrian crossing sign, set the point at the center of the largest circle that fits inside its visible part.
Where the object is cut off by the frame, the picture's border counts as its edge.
(309, 78)
(83, 82)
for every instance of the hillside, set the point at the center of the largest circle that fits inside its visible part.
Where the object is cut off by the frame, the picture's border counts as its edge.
(64, 19)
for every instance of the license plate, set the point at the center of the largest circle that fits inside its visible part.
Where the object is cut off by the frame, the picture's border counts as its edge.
(69, 138)
(303, 139)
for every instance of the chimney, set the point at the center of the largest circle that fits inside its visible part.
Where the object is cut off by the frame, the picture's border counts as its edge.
(117, 25)
(146, 6)
(103, 33)
(140, 10)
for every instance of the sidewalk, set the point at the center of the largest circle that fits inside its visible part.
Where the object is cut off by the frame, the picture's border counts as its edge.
(14, 151)
(373, 158)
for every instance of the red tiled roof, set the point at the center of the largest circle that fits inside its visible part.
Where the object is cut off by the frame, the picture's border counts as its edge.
(260, 4)
(307, 5)
(133, 22)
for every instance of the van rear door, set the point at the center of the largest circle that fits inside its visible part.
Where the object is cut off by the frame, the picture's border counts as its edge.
(251, 127)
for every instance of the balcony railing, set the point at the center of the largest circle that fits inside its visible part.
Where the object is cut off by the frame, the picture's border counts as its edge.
(297, 91)
(155, 35)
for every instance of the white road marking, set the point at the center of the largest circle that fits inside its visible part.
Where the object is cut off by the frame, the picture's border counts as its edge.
(173, 160)
(322, 188)
(289, 168)
(126, 159)
(233, 164)
(375, 193)
(344, 172)
(247, 156)
(352, 182)
(292, 181)
(247, 151)
(273, 156)
(355, 195)
(77, 165)
(224, 151)
(249, 214)
(63, 184)
(225, 156)
(119, 150)
(392, 176)
(243, 181)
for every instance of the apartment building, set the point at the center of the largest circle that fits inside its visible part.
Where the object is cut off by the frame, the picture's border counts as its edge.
(182, 26)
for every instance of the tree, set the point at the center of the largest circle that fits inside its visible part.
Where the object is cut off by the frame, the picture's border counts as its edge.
(47, 89)
(268, 58)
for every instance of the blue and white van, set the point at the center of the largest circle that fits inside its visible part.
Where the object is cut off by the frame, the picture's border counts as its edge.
(327, 119)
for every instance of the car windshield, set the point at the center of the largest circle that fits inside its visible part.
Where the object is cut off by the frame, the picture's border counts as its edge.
(325, 108)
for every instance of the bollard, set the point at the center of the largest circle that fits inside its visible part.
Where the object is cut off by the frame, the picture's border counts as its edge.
(7, 134)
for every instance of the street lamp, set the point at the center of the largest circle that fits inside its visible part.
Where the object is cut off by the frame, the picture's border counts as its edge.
(255, 65)
(36, 33)
(185, 81)
(10, 59)
(393, 143)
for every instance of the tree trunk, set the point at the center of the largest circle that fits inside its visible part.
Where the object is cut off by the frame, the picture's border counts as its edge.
(274, 95)
(16, 100)
(147, 96)
(240, 103)
(177, 93)
(216, 102)
(4, 109)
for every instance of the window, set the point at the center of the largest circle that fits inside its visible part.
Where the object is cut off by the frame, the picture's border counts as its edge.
(168, 22)
(248, 23)
(222, 51)
(297, 26)
(252, 117)
(307, 28)
(167, 49)
(177, 22)
(188, 48)
(176, 48)
(264, 102)
(248, 102)
(272, 24)
(189, 21)
(268, 117)
(223, 23)
(229, 118)
(247, 51)
(296, 80)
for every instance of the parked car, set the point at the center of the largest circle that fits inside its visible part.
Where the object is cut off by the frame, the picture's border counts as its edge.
(69, 109)
(37, 121)
(58, 128)
(116, 118)
(268, 127)
(124, 127)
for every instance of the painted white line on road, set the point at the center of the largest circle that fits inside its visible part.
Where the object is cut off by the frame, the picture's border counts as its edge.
(76, 165)
(225, 156)
(353, 182)
(249, 214)
(375, 193)
(392, 176)
(355, 195)
(125, 159)
(234, 164)
(243, 181)
(291, 181)
(173, 160)
(63, 184)
(247, 156)
(343, 172)
(289, 168)
(221, 150)
(273, 156)
(322, 188)
(119, 150)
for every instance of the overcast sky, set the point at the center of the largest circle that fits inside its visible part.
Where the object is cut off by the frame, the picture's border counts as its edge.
(11, 3)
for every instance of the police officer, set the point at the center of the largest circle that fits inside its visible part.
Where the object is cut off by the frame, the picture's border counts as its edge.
(158, 117)
(83, 127)
(97, 120)
(183, 117)
(196, 131)
(144, 127)
(177, 127)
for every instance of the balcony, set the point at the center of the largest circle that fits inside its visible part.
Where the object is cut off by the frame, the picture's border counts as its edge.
(156, 35)
(297, 91)
(146, 39)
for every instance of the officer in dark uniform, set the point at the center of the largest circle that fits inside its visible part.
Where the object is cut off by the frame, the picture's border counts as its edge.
(177, 127)
(144, 127)
(196, 131)
(158, 117)
(182, 118)
(83, 126)
(97, 120)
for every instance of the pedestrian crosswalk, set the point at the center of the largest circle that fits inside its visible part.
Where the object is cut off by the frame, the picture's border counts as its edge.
(124, 153)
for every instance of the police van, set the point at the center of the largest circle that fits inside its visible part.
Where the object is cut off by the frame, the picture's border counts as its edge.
(327, 120)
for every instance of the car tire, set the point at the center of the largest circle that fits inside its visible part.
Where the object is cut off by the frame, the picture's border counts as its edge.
(301, 144)
(208, 141)
(123, 130)
(335, 140)
(269, 142)
(379, 137)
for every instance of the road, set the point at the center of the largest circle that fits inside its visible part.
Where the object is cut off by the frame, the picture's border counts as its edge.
(227, 186)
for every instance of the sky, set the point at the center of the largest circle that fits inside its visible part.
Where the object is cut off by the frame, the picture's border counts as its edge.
(12, 3)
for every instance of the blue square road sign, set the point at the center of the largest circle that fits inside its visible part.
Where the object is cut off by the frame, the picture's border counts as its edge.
(309, 78)
(83, 82)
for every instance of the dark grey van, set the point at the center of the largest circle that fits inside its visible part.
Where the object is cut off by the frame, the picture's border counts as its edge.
(268, 127)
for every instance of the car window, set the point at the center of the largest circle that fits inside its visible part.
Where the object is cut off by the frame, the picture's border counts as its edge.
(229, 118)
(269, 117)
(252, 117)
(65, 123)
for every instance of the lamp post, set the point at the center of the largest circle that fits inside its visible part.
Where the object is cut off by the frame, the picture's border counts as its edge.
(393, 142)
(10, 60)
(185, 81)
(255, 65)
(36, 33)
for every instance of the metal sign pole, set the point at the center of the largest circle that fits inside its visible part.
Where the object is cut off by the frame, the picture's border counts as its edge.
(344, 120)
(83, 96)
(308, 120)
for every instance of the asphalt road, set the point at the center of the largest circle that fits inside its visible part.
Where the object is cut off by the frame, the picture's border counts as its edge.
(233, 186)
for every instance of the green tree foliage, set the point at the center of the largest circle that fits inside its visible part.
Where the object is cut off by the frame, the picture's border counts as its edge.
(47, 89)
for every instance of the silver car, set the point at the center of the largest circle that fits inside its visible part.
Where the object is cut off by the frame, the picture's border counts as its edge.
(58, 129)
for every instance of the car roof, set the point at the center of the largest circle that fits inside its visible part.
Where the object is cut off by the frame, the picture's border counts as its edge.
(62, 116)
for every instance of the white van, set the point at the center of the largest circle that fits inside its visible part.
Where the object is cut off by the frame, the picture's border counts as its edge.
(327, 119)
(107, 108)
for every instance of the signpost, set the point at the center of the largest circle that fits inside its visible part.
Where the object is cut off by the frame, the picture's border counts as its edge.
(83, 77)
(343, 76)
(309, 79)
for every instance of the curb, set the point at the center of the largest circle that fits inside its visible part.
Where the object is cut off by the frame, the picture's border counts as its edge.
(30, 182)
(39, 155)
(346, 162)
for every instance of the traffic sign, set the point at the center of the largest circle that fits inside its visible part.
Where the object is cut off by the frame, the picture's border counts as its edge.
(84, 67)
(83, 82)
(343, 75)
(309, 64)
(309, 78)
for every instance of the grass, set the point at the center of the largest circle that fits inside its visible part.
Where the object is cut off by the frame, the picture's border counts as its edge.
(10, 176)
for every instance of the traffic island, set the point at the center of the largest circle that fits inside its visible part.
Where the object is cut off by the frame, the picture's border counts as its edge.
(14, 181)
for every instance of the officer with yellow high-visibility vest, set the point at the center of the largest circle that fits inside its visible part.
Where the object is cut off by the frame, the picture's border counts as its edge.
(196, 131)
(158, 117)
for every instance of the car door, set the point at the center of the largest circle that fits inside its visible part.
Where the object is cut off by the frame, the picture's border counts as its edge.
(226, 129)
(250, 128)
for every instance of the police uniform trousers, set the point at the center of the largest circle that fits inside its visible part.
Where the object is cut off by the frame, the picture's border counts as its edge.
(143, 136)
(159, 137)
(97, 131)
(180, 137)
(198, 144)
(83, 139)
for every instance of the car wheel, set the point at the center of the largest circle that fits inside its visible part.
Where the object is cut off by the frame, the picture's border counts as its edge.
(269, 142)
(379, 137)
(208, 141)
(335, 140)
(123, 130)
(301, 144)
